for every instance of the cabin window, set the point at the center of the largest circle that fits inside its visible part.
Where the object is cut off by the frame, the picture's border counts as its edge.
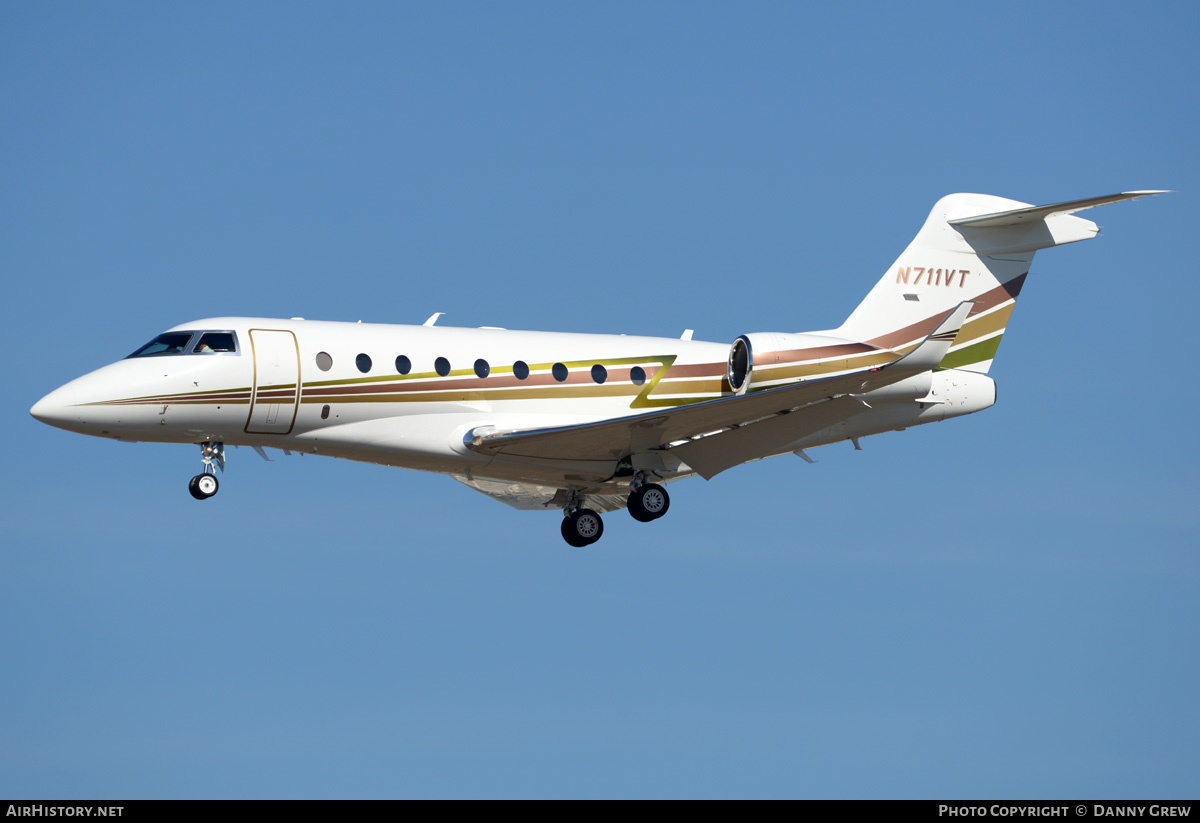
(559, 371)
(637, 375)
(215, 342)
(599, 373)
(363, 362)
(173, 342)
(482, 369)
(403, 365)
(324, 361)
(521, 369)
(441, 366)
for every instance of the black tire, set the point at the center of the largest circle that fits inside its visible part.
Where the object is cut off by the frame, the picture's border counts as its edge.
(203, 486)
(582, 528)
(636, 510)
(650, 502)
(569, 535)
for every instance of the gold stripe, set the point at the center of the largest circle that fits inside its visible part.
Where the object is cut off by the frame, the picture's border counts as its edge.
(653, 394)
(562, 392)
(981, 326)
(814, 369)
(691, 387)
(644, 360)
(200, 394)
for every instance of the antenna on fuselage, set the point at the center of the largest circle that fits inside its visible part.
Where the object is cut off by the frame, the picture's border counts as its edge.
(433, 318)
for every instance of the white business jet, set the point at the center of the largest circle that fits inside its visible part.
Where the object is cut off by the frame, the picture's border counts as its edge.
(580, 422)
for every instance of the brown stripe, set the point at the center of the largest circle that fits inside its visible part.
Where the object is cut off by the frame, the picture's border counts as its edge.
(618, 390)
(176, 398)
(556, 390)
(987, 300)
(998, 296)
(579, 378)
(822, 352)
(813, 369)
(191, 402)
(697, 370)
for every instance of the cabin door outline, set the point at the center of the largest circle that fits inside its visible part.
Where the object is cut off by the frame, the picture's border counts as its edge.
(275, 397)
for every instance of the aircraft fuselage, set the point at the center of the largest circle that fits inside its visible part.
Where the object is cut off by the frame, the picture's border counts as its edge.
(338, 389)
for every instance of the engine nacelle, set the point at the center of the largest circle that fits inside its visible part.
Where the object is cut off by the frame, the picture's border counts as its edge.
(765, 358)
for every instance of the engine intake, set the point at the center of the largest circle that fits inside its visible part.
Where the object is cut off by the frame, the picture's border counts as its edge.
(741, 363)
(780, 358)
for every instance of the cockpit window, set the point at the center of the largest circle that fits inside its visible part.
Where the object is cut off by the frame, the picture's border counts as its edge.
(202, 342)
(215, 341)
(173, 342)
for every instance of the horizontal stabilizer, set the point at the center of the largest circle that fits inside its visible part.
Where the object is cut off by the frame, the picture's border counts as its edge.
(1016, 217)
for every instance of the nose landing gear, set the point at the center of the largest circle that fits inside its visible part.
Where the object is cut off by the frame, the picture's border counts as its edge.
(205, 485)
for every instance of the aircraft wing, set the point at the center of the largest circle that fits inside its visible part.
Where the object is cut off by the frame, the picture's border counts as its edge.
(809, 406)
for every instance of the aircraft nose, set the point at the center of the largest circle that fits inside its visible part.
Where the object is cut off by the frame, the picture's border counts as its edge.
(57, 408)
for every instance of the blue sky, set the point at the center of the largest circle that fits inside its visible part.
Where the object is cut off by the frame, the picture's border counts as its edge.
(1003, 605)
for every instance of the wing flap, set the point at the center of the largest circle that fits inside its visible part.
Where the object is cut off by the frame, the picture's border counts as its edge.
(709, 456)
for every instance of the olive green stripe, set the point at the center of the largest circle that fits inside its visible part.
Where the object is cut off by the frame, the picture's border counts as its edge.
(975, 353)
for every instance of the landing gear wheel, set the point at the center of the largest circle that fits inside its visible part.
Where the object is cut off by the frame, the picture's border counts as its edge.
(569, 535)
(582, 528)
(203, 486)
(649, 502)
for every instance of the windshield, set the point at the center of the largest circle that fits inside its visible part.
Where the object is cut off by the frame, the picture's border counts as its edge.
(203, 342)
(173, 342)
(215, 341)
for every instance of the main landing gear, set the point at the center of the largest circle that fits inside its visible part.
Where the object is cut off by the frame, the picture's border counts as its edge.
(205, 485)
(580, 526)
(648, 501)
(583, 527)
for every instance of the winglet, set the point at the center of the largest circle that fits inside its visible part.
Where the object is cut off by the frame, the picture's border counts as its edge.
(933, 349)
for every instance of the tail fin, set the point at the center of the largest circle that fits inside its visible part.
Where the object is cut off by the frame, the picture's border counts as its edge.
(974, 247)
